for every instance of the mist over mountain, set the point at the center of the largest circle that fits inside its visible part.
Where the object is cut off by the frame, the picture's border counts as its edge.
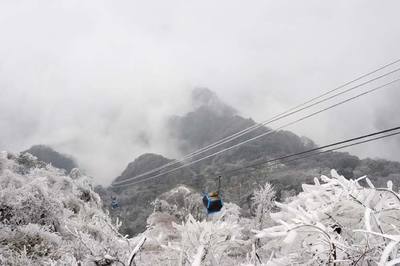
(212, 120)
(209, 121)
(199, 133)
(202, 97)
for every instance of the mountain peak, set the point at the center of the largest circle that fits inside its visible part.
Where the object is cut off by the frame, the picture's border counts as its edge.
(143, 163)
(205, 98)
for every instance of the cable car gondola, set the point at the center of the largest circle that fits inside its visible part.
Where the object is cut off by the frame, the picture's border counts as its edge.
(114, 202)
(212, 201)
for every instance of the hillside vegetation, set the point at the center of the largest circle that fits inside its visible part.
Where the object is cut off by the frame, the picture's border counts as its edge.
(47, 218)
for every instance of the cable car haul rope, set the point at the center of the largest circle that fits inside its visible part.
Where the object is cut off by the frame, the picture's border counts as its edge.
(301, 107)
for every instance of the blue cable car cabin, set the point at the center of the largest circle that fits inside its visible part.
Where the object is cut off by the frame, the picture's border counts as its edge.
(212, 202)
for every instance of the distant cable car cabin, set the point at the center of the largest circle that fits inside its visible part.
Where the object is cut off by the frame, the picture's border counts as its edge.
(114, 203)
(213, 201)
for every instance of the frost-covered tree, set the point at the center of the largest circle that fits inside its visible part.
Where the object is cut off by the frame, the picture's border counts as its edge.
(47, 218)
(210, 242)
(263, 202)
(336, 221)
(190, 241)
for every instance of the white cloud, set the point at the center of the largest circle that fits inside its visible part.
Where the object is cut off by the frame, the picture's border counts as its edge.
(90, 77)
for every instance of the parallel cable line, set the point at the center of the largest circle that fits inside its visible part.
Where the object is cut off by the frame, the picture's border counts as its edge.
(282, 159)
(263, 134)
(276, 118)
(258, 125)
(337, 148)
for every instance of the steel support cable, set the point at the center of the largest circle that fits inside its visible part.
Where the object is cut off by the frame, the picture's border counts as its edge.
(261, 135)
(275, 118)
(282, 159)
(258, 125)
(309, 106)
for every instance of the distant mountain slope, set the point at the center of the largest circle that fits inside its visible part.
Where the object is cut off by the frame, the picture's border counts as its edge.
(143, 163)
(48, 155)
(212, 120)
(135, 201)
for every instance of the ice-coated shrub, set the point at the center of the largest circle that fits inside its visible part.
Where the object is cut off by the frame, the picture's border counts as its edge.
(47, 218)
(336, 221)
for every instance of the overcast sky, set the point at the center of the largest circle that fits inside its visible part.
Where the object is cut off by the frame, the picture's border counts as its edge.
(91, 77)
